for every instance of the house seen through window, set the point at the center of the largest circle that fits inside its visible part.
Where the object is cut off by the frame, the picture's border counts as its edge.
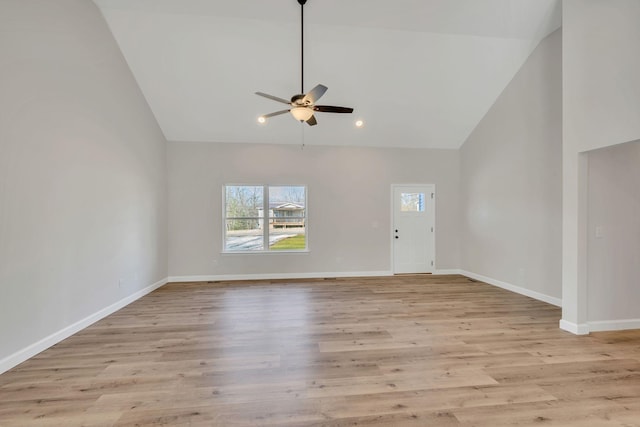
(265, 218)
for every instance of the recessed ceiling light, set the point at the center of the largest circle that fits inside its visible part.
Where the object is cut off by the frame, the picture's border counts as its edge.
(262, 119)
(359, 123)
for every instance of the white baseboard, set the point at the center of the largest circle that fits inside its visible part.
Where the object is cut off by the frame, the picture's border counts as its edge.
(513, 288)
(277, 276)
(599, 326)
(30, 351)
(574, 328)
(447, 272)
(613, 325)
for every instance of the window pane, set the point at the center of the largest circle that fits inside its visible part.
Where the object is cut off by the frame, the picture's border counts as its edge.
(287, 239)
(291, 194)
(243, 201)
(287, 218)
(412, 202)
(244, 235)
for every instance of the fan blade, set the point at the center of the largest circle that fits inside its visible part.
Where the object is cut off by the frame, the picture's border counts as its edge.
(314, 94)
(277, 113)
(332, 109)
(312, 121)
(273, 98)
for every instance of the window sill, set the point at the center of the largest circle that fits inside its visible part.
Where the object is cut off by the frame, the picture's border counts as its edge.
(304, 252)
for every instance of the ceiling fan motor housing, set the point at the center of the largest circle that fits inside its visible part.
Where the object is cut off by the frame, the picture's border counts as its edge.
(297, 100)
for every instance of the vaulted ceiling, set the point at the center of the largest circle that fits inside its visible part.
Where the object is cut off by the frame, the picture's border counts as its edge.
(419, 73)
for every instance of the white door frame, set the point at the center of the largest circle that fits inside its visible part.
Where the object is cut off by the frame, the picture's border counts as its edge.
(392, 234)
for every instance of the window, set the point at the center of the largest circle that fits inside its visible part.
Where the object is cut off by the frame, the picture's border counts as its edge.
(412, 202)
(261, 218)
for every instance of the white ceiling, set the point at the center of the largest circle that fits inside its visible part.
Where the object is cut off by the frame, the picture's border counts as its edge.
(420, 73)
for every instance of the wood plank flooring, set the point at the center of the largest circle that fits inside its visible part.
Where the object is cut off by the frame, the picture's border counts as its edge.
(394, 351)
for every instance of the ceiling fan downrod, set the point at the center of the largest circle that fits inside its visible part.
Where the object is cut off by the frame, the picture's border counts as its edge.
(303, 105)
(302, 3)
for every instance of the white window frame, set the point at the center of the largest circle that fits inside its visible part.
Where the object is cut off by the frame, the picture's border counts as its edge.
(266, 220)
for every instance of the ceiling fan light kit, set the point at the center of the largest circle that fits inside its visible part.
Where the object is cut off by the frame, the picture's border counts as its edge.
(301, 113)
(303, 105)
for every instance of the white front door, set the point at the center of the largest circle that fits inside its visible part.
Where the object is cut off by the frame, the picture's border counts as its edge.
(413, 232)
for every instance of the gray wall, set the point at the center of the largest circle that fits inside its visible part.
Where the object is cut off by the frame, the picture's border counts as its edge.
(511, 180)
(601, 66)
(82, 173)
(601, 106)
(349, 204)
(614, 234)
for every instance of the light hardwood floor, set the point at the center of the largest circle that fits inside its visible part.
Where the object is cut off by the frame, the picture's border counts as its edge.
(392, 351)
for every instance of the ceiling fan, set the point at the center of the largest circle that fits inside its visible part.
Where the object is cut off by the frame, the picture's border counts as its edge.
(303, 105)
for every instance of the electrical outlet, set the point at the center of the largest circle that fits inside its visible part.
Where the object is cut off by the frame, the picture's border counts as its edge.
(599, 232)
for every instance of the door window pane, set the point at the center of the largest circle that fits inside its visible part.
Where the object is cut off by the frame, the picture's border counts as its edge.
(412, 202)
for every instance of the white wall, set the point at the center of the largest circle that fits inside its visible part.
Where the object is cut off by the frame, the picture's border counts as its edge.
(601, 65)
(82, 175)
(511, 181)
(614, 236)
(601, 106)
(349, 196)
